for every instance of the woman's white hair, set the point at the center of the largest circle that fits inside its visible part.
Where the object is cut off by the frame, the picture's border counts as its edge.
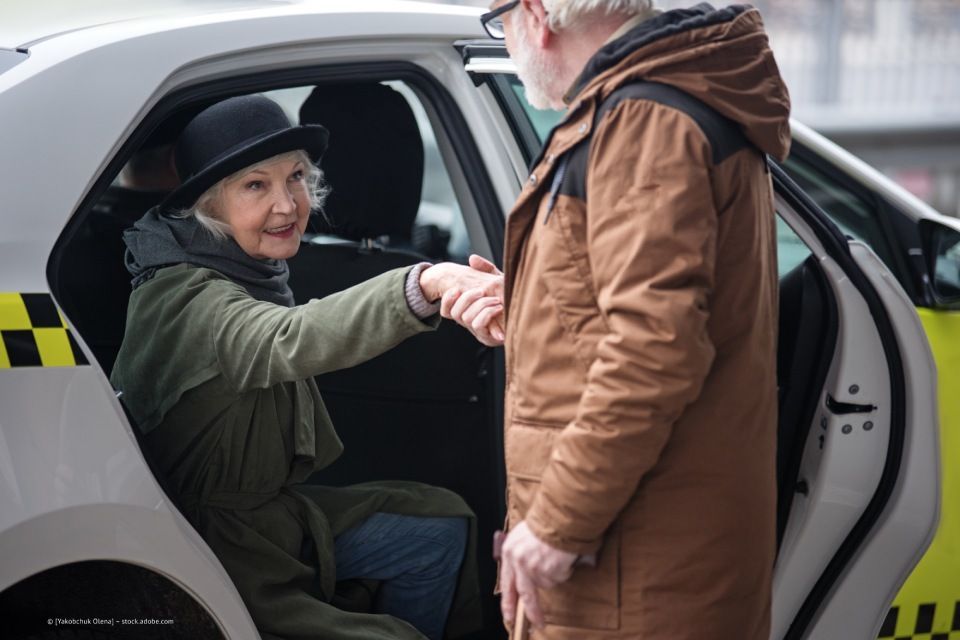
(204, 209)
(564, 14)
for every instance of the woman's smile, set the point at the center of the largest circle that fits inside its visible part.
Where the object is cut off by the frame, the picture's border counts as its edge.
(281, 232)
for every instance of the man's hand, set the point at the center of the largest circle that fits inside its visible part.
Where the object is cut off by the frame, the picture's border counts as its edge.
(526, 564)
(472, 296)
(479, 314)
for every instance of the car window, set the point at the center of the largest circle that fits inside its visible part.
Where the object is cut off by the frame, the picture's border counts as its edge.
(531, 125)
(542, 120)
(791, 250)
(946, 273)
(856, 217)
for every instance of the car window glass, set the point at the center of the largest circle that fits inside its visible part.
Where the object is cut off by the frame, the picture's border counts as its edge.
(856, 217)
(791, 250)
(946, 276)
(542, 120)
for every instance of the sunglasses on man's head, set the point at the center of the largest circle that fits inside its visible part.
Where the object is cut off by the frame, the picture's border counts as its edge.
(492, 21)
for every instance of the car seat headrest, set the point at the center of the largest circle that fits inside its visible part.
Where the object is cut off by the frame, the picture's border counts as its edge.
(374, 163)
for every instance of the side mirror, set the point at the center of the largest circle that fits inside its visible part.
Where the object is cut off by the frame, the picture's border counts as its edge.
(941, 250)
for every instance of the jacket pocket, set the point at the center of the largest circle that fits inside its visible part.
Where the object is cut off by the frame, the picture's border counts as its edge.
(590, 599)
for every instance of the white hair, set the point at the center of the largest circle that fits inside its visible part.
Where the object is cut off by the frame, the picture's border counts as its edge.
(563, 14)
(204, 209)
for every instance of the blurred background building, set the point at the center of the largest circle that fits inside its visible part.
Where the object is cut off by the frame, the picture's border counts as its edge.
(879, 77)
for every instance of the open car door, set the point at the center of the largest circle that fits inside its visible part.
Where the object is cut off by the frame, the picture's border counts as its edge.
(858, 459)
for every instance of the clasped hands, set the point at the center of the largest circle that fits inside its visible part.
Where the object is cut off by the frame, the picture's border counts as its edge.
(471, 295)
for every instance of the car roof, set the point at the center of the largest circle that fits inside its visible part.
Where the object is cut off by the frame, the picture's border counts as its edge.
(27, 22)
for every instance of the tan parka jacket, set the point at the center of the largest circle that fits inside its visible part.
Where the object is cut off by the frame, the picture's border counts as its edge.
(641, 298)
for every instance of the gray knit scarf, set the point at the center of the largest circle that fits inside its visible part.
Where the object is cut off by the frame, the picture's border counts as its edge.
(157, 241)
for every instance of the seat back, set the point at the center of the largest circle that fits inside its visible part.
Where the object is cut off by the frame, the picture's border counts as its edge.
(374, 163)
(424, 410)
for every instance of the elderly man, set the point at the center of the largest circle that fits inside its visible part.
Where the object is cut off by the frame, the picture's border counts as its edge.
(640, 302)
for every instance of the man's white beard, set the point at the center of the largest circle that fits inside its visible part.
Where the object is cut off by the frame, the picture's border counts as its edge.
(538, 75)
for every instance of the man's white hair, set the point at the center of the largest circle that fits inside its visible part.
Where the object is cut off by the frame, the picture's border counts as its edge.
(563, 14)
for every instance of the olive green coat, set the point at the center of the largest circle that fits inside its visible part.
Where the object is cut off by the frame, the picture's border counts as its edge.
(222, 385)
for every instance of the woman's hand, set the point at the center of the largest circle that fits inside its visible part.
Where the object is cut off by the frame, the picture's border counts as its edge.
(440, 278)
(472, 296)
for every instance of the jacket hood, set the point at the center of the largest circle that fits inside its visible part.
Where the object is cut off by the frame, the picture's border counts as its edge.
(719, 56)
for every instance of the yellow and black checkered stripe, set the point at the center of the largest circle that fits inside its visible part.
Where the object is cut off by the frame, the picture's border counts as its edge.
(930, 624)
(34, 334)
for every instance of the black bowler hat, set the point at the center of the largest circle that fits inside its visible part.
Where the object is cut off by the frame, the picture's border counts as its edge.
(233, 134)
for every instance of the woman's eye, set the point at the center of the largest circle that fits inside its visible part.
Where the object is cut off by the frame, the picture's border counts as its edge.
(255, 185)
(297, 175)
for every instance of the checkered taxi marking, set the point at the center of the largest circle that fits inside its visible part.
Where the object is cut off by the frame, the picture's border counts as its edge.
(33, 333)
(930, 623)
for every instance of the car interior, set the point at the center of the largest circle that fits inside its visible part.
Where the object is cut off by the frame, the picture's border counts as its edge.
(427, 410)
(423, 411)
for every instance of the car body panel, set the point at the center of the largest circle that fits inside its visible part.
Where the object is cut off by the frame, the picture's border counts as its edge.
(28, 23)
(74, 487)
(153, 539)
(935, 582)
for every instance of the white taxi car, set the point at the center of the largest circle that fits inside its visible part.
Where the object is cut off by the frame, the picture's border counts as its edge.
(91, 544)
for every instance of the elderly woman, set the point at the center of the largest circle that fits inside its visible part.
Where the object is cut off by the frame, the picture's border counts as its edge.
(217, 369)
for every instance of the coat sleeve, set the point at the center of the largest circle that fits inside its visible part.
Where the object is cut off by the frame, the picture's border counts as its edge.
(651, 243)
(259, 344)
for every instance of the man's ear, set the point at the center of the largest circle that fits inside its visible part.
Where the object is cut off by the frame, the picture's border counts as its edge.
(538, 15)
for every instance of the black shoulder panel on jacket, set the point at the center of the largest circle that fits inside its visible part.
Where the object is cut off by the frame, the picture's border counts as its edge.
(574, 181)
(723, 134)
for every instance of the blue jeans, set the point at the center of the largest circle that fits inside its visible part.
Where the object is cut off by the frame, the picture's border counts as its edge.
(416, 559)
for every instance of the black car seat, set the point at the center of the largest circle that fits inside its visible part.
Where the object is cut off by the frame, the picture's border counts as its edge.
(374, 162)
(374, 165)
(424, 410)
(419, 411)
